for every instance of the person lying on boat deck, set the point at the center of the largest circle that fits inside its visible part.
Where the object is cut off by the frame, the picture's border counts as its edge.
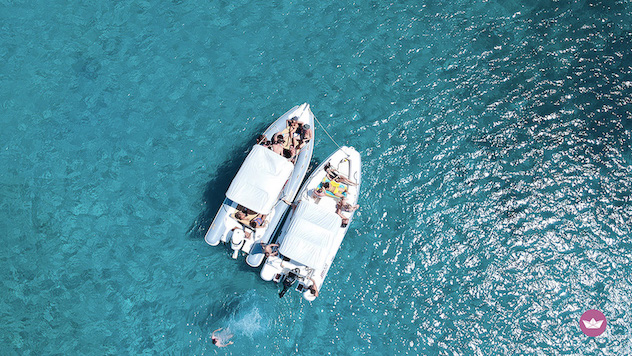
(251, 219)
(336, 177)
(270, 249)
(318, 193)
(258, 221)
(244, 215)
(219, 341)
(334, 190)
(341, 206)
(304, 135)
(312, 288)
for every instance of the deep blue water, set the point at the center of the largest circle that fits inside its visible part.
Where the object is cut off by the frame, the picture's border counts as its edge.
(497, 179)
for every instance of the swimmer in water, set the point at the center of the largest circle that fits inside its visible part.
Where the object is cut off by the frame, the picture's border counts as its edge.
(217, 341)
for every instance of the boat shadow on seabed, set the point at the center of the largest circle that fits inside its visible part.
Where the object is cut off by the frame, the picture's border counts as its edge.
(215, 190)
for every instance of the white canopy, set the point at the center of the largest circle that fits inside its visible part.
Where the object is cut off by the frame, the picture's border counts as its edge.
(311, 235)
(260, 180)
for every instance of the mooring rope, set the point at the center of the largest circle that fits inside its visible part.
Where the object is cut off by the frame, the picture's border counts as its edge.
(331, 138)
(334, 141)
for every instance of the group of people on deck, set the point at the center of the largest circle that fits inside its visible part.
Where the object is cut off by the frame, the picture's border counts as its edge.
(288, 142)
(247, 217)
(336, 186)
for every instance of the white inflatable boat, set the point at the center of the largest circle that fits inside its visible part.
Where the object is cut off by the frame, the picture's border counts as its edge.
(314, 229)
(259, 195)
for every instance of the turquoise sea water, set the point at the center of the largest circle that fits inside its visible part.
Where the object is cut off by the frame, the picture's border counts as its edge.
(497, 179)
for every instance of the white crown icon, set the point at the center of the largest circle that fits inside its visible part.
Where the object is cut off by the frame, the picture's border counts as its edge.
(592, 324)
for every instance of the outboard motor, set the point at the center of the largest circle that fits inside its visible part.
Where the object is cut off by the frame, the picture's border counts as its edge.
(237, 241)
(289, 280)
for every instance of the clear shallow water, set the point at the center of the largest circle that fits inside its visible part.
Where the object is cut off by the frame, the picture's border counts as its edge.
(496, 191)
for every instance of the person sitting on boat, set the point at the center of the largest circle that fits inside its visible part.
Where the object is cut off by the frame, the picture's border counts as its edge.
(312, 288)
(277, 145)
(304, 135)
(263, 141)
(318, 193)
(281, 147)
(292, 125)
(290, 154)
(288, 133)
(343, 206)
(270, 249)
(220, 341)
